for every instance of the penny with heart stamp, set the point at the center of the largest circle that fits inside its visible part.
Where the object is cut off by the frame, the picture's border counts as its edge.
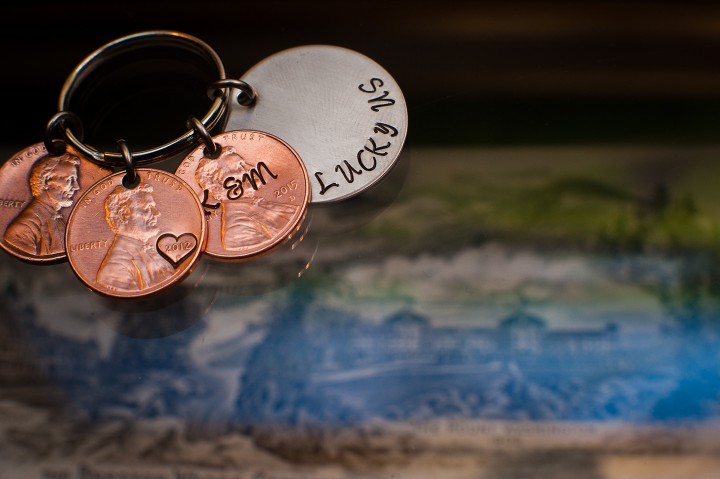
(176, 248)
(131, 242)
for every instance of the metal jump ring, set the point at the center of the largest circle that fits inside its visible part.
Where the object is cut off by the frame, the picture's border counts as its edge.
(246, 97)
(212, 149)
(56, 131)
(124, 45)
(130, 180)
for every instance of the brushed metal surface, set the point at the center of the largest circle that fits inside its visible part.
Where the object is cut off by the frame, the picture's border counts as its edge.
(342, 112)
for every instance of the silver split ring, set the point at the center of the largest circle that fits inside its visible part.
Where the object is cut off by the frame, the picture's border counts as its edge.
(130, 44)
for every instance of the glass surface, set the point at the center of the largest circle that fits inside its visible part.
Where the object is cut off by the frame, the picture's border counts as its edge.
(534, 291)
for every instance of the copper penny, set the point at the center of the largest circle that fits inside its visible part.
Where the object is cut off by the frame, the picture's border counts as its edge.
(37, 193)
(255, 194)
(132, 242)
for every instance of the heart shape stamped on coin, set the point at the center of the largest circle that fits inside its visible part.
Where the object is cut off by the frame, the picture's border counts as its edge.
(175, 249)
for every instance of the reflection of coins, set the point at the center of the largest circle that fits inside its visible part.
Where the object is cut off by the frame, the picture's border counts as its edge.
(340, 110)
(131, 242)
(37, 193)
(255, 193)
(286, 264)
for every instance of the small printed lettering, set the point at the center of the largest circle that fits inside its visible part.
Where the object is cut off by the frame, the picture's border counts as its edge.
(384, 128)
(101, 188)
(286, 189)
(375, 149)
(206, 204)
(256, 174)
(367, 158)
(375, 83)
(185, 165)
(362, 164)
(351, 172)
(89, 245)
(380, 101)
(234, 186)
(12, 204)
(323, 187)
(165, 179)
(243, 135)
(184, 246)
(34, 151)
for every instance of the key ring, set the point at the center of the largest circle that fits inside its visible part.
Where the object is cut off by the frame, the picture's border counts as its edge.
(246, 97)
(131, 178)
(54, 145)
(236, 195)
(130, 44)
(212, 150)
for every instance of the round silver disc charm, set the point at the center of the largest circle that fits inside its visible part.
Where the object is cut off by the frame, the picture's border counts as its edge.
(342, 112)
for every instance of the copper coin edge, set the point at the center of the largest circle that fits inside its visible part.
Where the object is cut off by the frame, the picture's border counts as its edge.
(165, 284)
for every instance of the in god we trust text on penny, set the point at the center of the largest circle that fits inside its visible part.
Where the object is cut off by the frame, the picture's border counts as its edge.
(132, 242)
(255, 193)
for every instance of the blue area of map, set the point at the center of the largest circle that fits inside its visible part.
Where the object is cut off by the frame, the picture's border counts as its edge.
(319, 365)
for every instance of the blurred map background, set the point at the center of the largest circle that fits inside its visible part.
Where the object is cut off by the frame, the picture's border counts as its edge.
(533, 292)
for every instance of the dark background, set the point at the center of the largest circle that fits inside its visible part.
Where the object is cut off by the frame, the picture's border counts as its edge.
(480, 73)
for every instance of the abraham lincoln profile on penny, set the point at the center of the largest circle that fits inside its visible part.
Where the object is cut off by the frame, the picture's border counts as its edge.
(40, 228)
(132, 263)
(247, 220)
